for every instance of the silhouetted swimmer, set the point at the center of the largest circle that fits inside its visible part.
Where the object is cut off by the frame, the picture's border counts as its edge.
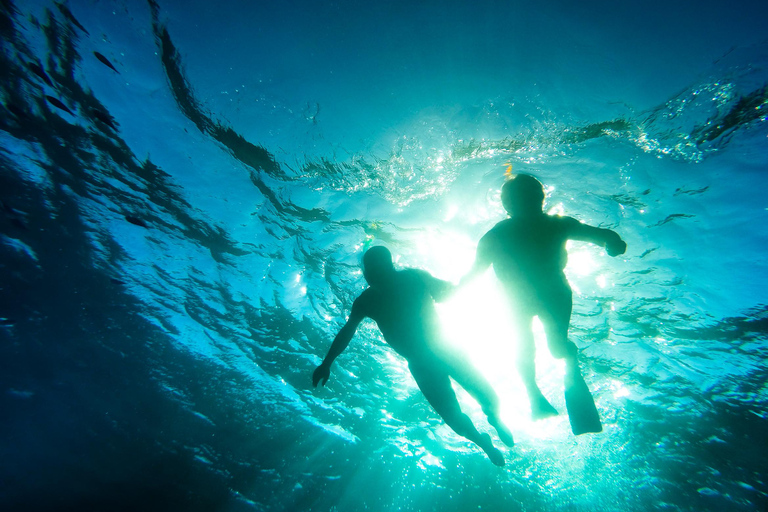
(402, 304)
(528, 255)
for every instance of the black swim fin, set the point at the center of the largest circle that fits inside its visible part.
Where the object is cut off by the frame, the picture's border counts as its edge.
(582, 412)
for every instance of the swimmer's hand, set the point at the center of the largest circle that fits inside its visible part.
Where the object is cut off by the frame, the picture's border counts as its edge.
(322, 374)
(616, 247)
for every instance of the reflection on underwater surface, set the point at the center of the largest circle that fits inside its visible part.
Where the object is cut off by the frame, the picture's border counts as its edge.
(169, 284)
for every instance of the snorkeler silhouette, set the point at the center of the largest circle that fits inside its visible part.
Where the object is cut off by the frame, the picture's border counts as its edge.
(528, 255)
(401, 302)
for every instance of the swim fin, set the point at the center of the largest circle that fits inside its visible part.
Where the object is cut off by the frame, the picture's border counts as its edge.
(582, 412)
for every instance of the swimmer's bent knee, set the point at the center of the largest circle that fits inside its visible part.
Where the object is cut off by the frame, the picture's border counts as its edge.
(564, 350)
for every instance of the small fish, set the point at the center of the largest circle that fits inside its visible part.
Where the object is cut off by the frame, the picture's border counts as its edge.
(104, 118)
(7, 322)
(39, 71)
(58, 104)
(136, 221)
(508, 172)
(71, 17)
(106, 62)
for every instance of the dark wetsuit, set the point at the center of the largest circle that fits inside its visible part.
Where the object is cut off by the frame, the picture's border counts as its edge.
(528, 256)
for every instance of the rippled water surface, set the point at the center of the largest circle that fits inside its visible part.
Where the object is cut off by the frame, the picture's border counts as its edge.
(186, 190)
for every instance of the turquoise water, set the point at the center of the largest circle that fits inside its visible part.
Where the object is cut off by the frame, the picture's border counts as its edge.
(183, 219)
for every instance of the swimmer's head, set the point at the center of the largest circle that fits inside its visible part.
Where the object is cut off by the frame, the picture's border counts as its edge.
(522, 195)
(377, 265)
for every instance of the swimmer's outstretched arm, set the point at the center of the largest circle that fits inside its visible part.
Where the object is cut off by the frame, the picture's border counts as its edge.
(481, 264)
(607, 238)
(439, 290)
(340, 342)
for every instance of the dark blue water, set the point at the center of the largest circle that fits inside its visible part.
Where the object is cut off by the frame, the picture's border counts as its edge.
(186, 190)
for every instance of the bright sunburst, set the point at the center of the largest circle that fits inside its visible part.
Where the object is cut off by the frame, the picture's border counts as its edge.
(477, 321)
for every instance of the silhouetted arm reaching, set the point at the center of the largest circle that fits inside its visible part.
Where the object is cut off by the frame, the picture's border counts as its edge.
(439, 290)
(607, 238)
(323, 372)
(482, 262)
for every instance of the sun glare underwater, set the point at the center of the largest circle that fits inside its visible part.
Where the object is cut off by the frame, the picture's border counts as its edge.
(187, 189)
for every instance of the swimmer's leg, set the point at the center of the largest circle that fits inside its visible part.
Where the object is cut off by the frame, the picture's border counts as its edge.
(526, 365)
(555, 316)
(437, 389)
(582, 412)
(467, 376)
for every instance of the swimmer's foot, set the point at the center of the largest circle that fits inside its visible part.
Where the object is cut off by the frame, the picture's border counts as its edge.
(491, 451)
(541, 408)
(502, 430)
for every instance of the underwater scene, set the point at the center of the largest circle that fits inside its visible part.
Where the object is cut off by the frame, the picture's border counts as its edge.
(187, 190)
